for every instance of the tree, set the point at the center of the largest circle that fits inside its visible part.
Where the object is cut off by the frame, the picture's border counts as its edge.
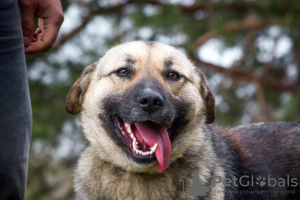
(247, 49)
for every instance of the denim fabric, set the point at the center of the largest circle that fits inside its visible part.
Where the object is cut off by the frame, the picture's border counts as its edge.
(15, 108)
(6, 3)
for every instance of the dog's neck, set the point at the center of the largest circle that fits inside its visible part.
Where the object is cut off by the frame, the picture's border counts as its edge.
(107, 181)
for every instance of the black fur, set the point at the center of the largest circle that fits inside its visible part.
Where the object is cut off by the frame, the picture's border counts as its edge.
(266, 149)
(131, 112)
(126, 107)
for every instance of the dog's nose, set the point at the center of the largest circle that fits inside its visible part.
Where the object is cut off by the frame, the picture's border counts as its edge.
(150, 100)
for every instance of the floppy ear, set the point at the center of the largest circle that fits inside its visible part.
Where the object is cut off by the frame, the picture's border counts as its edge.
(208, 98)
(76, 93)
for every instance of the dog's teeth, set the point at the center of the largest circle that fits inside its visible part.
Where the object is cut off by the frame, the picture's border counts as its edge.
(139, 152)
(134, 144)
(153, 149)
(131, 135)
(128, 128)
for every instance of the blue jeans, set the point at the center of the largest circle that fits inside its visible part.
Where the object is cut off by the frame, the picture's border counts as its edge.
(15, 108)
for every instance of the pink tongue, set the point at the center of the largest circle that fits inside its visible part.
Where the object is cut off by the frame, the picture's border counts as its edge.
(154, 133)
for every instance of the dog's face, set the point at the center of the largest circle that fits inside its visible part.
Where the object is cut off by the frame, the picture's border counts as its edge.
(141, 105)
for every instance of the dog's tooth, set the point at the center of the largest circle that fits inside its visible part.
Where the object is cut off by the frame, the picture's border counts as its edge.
(144, 154)
(131, 135)
(134, 144)
(128, 128)
(153, 149)
(137, 151)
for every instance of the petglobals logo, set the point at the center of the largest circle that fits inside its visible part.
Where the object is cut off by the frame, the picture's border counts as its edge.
(246, 181)
(252, 185)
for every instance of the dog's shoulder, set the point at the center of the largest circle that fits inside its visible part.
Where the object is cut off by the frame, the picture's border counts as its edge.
(259, 141)
(278, 129)
(257, 136)
(268, 138)
(259, 150)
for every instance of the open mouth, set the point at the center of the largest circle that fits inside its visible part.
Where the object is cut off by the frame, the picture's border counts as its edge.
(146, 141)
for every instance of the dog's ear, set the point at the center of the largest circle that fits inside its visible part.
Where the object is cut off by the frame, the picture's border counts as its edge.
(76, 93)
(208, 98)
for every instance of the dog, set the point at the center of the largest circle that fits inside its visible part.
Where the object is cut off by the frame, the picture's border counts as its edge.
(146, 111)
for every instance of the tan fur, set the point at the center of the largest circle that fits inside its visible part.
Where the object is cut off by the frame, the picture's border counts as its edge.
(104, 171)
(95, 177)
(76, 94)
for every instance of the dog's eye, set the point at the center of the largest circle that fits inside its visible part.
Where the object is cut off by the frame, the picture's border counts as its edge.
(123, 73)
(173, 76)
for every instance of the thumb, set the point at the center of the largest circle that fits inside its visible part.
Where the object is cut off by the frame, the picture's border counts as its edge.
(27, 10)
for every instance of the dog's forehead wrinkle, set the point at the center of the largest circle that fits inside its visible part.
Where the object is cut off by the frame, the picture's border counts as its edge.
(169, 61)
(129, 59)
(128, 53)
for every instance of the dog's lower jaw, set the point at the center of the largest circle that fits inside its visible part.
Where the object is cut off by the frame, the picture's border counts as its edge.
(98, 179)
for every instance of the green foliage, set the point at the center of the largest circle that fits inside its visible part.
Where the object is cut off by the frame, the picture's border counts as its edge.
(238, 23)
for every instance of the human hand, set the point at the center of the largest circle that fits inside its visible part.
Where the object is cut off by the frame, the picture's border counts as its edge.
(50, 17)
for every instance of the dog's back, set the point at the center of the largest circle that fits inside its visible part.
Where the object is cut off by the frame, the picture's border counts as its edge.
(264, 157)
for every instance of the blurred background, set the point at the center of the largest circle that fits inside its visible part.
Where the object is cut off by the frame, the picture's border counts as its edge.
(248, 49)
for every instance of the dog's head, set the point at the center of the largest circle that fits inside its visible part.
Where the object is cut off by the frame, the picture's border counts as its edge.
(142, 103)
